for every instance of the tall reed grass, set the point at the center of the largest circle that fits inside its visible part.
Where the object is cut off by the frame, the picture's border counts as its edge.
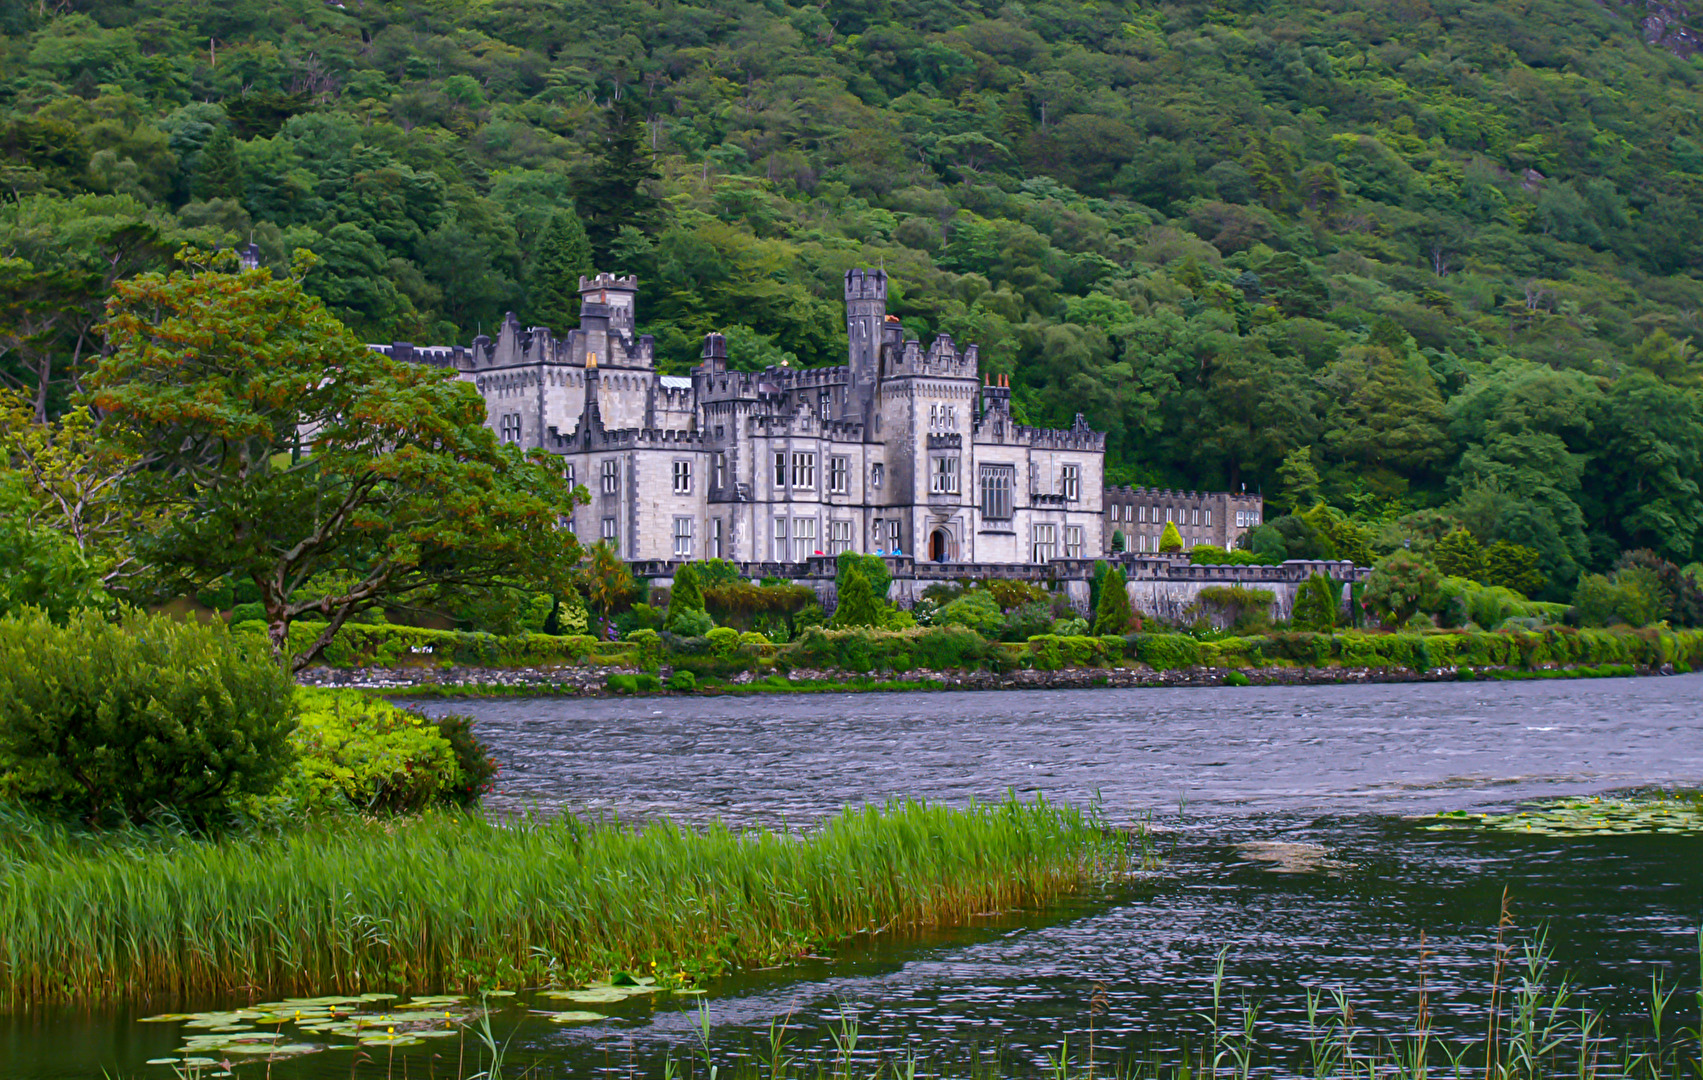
(447, 901)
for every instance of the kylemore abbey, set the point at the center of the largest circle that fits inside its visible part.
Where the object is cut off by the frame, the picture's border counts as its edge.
(903, 450)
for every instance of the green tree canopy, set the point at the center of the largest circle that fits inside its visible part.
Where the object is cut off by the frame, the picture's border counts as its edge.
(276, 448)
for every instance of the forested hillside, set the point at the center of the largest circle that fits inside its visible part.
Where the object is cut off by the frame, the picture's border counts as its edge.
(1434, 262)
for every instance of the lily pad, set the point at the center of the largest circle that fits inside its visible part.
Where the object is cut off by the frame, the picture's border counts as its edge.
(166, 1018)
(399, 1038)
(1596, 816)
(572, 1016)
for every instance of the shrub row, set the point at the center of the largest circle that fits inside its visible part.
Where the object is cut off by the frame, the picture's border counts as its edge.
(724, 651)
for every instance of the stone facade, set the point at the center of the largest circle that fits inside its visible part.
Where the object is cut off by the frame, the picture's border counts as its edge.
(1216, 518)
(902, 449)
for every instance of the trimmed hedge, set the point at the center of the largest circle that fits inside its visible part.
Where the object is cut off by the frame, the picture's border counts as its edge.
(724, 652)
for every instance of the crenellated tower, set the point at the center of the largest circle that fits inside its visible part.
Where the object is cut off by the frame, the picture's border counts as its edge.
(866, 317)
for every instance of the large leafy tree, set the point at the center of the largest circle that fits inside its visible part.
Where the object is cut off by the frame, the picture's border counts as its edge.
(279, 449)
(563, 256)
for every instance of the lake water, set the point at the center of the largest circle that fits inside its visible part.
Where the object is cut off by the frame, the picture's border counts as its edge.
(1340, 771)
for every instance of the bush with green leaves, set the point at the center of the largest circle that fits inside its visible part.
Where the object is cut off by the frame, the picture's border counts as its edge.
(1170, 540)
(683, 681)
(121, 721)
(1399, 587)
(357, 752)
(1514, 566)
(1238, 607)
(1026, 621)
(974, 610)
(686, 602)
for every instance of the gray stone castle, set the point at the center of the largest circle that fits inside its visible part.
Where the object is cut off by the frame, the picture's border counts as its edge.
(903, 449)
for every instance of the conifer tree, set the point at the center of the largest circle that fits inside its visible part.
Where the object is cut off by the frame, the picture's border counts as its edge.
(1459, 554)
(857, 605)
(1170, 540)
(562, 258)
(686, 596)
(1112, 614)
(614, 190)
(1315, 605)
(218, 173)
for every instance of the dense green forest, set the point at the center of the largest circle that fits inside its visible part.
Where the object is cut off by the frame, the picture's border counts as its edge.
(1435, 262)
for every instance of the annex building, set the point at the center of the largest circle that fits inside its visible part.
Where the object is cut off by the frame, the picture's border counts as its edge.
(901, 450)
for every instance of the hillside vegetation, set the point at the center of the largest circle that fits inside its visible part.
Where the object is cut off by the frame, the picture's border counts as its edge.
(1434, 263)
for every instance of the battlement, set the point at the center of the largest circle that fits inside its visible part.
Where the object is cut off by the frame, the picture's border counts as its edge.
(453, 357)
(866, 285)
(1131, 492)
(610, 282)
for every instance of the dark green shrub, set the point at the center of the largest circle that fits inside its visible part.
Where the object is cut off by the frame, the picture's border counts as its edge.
(1315, 605)
(476, 769)
(255, 612)
(646, 683)
(650, 648)
(1031, 619)
(1237, 678)
(858, 604)
(683, 681)
(1112, 614)
(723, 642)
(1048, 652)
(118, 721)
(621, 684)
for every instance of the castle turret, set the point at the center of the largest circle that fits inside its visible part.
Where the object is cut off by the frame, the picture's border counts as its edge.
(866, 318)
(617, 295)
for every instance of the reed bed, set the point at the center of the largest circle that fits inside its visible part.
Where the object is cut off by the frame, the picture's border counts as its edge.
(450, 901)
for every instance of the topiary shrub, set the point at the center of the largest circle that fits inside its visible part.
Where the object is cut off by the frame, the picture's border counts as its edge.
(1170, 540)
(1237, 678)
(693, 623)
(858, 604)
(683, 681)
(1112, 615)
(723, 642)
(116, 722)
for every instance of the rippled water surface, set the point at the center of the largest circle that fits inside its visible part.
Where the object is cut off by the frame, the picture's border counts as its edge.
(1339, 770)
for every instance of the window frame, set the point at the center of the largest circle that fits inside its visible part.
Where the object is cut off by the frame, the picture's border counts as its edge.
(1043, 542)
(998, 484)
(682, 476)
(683, 537)
(610, 477)
(1073, 541)
(1070, 482)
(783, 545)
(803, 538)
(804, 470)
(943, 474)
(839, 472)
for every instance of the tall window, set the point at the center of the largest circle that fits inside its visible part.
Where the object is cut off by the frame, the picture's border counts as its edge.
(1194, 516)
(877, 473)
(1144, 541)
(804, 470)
(1241, 519)
(571, 480)
(682, 477)
(780, 539)
(608, 534)
(1070, 482)
(611, 476)
(998, 482)
(837, 468)
(1046, 543)
(893, 527)
(1209, 515)
(715, 538)
(1073, 541)
(780, 470)
(839, 537)
(508, 428)
(943, 475)
(803, 538)
(720, 471)
(682, 538)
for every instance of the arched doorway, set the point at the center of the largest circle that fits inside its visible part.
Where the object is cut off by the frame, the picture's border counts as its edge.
(937, 546)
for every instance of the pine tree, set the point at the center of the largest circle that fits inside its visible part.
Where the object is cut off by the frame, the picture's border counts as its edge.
(615, 189)
(1170, 540)
(1112, 615)
(686, 596)
(1514, 566)
(562, 258)
(218, 173)
(857, 606)
(1315, 605)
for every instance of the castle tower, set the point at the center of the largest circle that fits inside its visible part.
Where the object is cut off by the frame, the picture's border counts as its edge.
(617, 295)
(866, 317)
